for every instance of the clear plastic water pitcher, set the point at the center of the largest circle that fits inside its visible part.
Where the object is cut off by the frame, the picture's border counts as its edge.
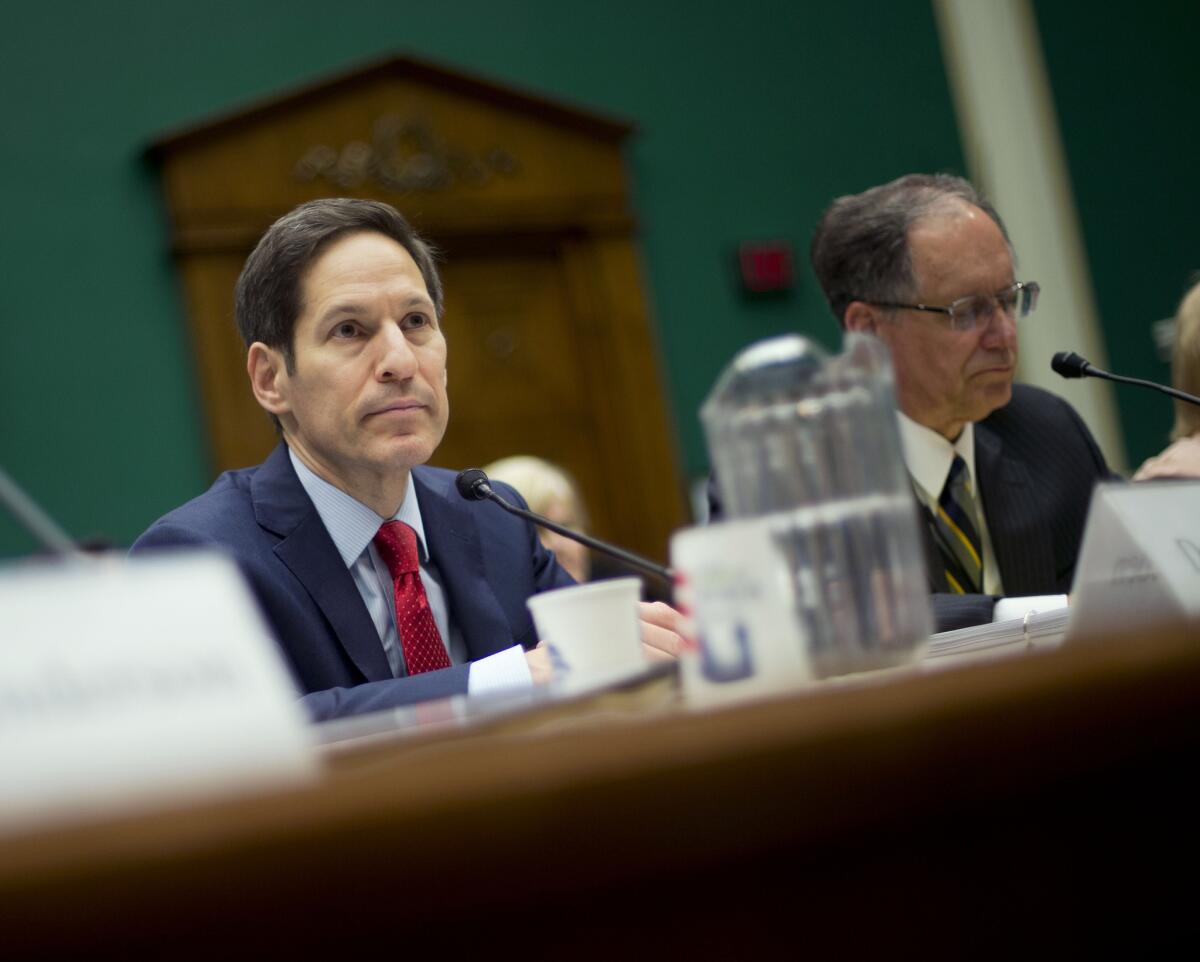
(810, 442)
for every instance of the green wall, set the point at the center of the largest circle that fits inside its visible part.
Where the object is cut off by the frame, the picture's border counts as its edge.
(1125, 81)
(750, 119)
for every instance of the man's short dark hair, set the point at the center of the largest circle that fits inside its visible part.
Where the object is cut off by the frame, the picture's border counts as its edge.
(268, 295)
(860, 248)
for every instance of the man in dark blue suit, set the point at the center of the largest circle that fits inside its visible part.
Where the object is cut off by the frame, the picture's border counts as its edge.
(382, 585)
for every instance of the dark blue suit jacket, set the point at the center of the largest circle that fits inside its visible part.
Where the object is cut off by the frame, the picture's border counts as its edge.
(490, 563)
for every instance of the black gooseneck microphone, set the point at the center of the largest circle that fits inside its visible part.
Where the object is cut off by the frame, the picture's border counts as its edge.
(1069, 364)
(473, 485)
(34, 520)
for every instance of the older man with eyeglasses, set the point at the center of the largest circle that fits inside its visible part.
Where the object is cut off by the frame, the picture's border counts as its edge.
(1003, 472)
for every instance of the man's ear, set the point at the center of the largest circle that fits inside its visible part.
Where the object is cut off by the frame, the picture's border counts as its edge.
(860, 317)
(269, 378)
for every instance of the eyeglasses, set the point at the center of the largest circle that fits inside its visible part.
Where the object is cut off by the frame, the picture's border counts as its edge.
(974, 310)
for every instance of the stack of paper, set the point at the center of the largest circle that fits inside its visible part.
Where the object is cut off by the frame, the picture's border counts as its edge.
(1037, 630)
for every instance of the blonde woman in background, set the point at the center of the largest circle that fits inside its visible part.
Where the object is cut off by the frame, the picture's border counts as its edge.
(1182, 458)
(549, 491)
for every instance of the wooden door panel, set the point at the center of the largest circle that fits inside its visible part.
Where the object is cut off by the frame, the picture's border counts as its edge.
(518, 374)
(241, 432)
(509, 329)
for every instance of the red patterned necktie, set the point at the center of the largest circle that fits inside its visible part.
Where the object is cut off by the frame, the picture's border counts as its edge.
(420, 642)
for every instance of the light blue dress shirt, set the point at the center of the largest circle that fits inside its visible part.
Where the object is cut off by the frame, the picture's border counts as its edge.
(352, 526)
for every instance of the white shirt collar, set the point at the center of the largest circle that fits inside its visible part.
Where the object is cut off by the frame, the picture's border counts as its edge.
(928, 455)
(350, 523)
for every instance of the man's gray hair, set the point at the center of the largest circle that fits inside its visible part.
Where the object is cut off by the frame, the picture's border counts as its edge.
(860, 248)
(268, 298)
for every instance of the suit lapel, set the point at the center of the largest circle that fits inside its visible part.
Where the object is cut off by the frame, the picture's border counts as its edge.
(282, 506)
(1010, 503)
(453, 536)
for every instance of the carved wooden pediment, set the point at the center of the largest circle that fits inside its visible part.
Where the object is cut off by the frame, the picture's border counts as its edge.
(455, 153)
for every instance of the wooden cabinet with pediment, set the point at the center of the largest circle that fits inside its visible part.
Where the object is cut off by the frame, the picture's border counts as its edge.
(551, 348)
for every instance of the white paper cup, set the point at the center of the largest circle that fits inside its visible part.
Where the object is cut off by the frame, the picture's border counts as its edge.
(592, 630)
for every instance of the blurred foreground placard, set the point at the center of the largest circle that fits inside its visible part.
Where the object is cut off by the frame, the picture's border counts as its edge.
(1139, 562)
(130, 683)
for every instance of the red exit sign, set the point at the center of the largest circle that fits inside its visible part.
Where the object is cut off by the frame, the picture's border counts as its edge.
(766, 266)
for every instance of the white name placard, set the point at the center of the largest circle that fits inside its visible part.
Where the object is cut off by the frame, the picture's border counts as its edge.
(125, 683)
(1140, 558)
(735, 592)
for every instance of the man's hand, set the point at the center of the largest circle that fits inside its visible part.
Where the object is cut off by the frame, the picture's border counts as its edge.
(660, 631)
(539, 664)
(660, 640)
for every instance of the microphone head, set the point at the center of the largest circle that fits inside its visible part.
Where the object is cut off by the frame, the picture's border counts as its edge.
(1069, 364)
(472, 484)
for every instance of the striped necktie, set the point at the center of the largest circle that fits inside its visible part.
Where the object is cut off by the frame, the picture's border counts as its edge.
(956, 531)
